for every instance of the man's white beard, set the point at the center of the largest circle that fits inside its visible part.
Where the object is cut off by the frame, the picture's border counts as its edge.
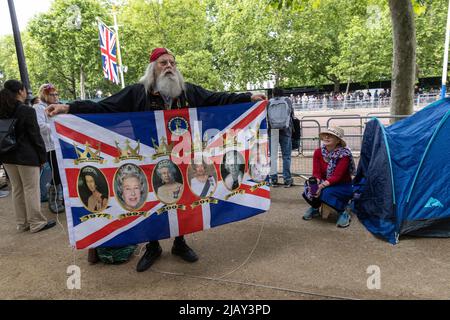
(169, 84)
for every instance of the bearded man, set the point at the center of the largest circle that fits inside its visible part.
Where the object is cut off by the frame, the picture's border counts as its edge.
(161, 88)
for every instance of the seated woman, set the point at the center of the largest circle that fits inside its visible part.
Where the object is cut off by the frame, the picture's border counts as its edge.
(333, 166)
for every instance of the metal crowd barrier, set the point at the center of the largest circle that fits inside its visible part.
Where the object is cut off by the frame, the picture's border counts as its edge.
(353, 125)
(354, 128)
(419, 101)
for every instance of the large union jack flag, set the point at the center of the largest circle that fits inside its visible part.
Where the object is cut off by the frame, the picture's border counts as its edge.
(133, 177)
(108, 48)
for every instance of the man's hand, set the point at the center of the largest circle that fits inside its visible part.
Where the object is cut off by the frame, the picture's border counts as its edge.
(55, 109)
(258, 97)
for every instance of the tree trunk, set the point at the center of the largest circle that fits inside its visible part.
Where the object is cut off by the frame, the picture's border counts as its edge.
(277, 80)
(82, 84)
(348, 86)
(73, 85)
(337, 84)
(404, 64)
(346, 92)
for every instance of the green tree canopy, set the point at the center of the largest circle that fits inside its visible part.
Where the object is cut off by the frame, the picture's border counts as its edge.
(67, 43)
(228, 43)
(180, 25)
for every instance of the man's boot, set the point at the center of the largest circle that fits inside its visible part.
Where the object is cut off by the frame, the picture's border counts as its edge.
(92, 256)
(181, 249)
(152, 253)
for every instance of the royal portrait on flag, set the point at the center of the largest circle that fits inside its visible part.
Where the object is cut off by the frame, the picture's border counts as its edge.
(202, 179)
(232, 169)
(167, 182)
(259, 162)
(93, 189)
(130, 187)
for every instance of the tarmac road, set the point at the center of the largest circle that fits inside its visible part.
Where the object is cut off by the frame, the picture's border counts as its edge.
(275, 255)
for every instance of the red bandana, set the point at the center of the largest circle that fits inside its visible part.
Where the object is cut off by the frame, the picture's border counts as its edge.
(158, 52)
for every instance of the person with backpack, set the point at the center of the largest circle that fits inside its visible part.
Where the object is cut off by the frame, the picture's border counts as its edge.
(22, 152)
(280, 115)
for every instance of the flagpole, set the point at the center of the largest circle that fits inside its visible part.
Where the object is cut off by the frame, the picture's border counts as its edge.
(23, 70)
(447, 40)
(119, 56)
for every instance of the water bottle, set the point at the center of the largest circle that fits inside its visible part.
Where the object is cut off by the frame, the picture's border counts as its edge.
(313, 186)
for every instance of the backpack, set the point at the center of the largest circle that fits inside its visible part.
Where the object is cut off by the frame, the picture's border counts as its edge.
(8, 133)
(115, 255)
(296, 134)
(279, 113)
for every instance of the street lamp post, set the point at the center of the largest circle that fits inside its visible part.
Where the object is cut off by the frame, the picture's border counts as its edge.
(19, 50)
(447, 40)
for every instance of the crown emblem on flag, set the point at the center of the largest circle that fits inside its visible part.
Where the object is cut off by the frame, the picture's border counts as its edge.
(231, 141)
(163, 149)
(256, 136)
(88, 155)
(128, 152)
(178, 126)
(199, 145)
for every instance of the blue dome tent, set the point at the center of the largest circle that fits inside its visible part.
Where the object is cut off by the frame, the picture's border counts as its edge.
(404, 173)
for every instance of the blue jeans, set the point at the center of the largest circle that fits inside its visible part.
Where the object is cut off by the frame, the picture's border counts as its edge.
(336, 196)
(45, 179)
(285, 141)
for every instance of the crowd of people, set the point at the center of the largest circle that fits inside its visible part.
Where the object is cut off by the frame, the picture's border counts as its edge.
(354, 96)
(359, 98)
(161, 88)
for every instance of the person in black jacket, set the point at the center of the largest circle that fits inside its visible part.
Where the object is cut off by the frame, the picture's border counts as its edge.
(161, 88)
(23, 162)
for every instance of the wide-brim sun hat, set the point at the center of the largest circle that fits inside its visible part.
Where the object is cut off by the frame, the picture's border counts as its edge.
(338, 132)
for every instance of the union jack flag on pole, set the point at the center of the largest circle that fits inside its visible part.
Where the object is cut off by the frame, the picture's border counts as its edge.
(108, 48)
(133, 177)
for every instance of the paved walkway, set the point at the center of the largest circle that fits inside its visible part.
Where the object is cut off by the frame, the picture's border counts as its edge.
(292, 259)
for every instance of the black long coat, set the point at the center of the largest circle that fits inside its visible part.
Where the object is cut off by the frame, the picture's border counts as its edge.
(30, 148)
(134, 98)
